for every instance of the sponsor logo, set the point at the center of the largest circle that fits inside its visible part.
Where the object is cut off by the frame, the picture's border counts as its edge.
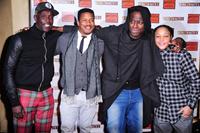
(173, 18)
(56, 59)
(36, 2)
(149, 3)
(85, 3)
(96, 125)
(106, 2)
(67, 17)
(190, 4)
(127, 3)
(98, 17)
(169, 4)
(192, 46)
(55, 88)
(155, 18)
(56, 100)
(188, 32)
(112, 17)
(124, 18)
(63, 1)
(56, 73)
(193, 18)
(54, 127)
(194, 59)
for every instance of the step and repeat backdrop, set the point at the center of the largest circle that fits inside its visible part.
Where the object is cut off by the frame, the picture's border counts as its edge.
(182, 15)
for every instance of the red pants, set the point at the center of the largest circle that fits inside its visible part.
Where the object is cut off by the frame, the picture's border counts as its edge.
(38, 107)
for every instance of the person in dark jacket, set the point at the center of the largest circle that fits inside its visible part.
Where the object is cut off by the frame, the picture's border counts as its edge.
(131, 64)
(28, 71)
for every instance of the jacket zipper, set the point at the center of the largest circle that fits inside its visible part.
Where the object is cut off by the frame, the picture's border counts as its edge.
(45, 59)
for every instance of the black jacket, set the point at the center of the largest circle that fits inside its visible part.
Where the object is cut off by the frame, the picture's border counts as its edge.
(122, 56)
(29, 62)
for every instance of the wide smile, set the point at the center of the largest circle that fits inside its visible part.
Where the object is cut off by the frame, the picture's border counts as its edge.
(47, 25)
(88, 27)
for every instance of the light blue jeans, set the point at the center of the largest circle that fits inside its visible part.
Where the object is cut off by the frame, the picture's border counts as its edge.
(126, 113)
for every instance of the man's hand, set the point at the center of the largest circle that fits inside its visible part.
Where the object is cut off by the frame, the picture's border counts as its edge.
(177, 46)
(18, 111)
(186, 111)
(176, 49)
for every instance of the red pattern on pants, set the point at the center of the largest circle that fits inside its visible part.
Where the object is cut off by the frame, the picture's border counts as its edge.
(38, 107)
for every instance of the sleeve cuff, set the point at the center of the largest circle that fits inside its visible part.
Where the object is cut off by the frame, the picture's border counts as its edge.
(191, 104)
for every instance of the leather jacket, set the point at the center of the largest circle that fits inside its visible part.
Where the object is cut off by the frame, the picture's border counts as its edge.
(29, 62)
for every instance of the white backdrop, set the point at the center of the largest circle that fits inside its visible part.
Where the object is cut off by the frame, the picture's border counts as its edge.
(182, 15)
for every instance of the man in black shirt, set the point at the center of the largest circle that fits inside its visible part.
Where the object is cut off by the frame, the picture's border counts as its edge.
(130, 65)
(28, 71)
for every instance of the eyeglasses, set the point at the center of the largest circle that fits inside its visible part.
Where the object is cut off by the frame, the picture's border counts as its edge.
(134, 21)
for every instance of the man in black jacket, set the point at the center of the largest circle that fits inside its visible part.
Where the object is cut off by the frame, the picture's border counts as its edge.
(131, 64)
(28, 71)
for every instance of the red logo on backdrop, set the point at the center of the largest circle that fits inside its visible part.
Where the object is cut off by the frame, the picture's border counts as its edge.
(38, 1)
(155, 18)
(169, 4)
(112, 17)
(127, 3)
(85, 3)
(192, 46)
(193, 18)
(67, 17)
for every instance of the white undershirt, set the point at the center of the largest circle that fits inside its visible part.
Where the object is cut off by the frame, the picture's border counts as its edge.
(86, 41)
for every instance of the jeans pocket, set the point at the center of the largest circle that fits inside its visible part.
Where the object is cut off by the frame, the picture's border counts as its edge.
(186, 118)
(184, 124)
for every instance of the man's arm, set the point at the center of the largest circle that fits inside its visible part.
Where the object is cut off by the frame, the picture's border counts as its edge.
(65, 28)
(99, 31)
(12, 55)
(57, 28)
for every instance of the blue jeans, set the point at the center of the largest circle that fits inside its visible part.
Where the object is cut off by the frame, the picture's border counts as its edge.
(126, 113)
